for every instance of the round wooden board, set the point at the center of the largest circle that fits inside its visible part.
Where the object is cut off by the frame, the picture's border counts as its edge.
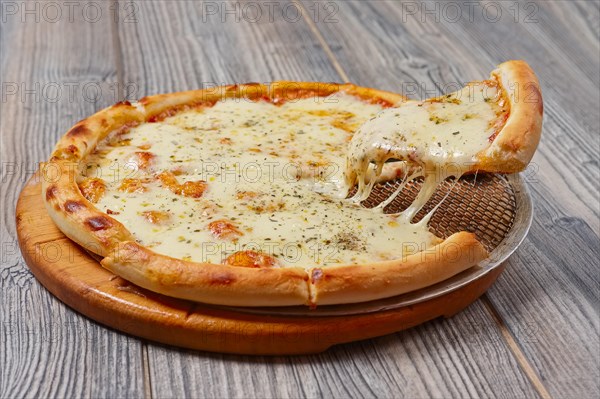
(78, 280)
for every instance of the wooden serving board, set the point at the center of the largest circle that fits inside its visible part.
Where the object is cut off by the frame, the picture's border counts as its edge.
(78, 280)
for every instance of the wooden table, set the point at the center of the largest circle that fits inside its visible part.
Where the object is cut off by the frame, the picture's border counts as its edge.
(536, 332)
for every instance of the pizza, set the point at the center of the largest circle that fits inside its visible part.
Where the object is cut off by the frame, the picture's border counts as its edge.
(239, 195)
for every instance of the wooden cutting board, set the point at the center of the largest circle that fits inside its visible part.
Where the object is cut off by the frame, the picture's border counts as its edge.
(78, 280)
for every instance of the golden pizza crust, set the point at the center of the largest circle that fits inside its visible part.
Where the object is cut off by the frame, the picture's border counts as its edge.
(74, 215)
(360, 283)
(514, 146)
(206, 282)
(82, 138)
(240, 286)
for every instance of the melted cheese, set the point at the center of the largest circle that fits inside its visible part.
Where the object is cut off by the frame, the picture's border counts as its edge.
(276, 173)
(436, 139)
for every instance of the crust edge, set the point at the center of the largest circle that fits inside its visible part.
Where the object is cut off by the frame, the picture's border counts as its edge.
(206, 282)
(514, 147)
(360, 283)
(75, 216)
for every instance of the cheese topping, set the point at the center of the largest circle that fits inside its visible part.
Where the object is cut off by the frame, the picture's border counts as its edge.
(225, 183)
(437, 138)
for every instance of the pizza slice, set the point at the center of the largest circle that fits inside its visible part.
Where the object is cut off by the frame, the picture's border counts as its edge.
(490, 126)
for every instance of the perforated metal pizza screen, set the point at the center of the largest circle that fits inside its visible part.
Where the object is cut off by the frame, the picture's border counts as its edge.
(483, 204)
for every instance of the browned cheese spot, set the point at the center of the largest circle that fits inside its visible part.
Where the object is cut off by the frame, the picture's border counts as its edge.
(143, 159)
(224, 229)
(133, 186)
(92, 189)
(157, 217)
(192, 189)
(250, 259)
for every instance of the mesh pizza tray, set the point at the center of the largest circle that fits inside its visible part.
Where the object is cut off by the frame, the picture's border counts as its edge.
(497, 208)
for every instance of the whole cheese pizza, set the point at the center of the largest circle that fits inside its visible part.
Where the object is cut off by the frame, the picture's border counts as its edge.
(251, 195)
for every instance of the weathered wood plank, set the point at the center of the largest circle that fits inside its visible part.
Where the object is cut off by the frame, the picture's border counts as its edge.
(549, 294)
(55, 70)
(438, 359)
(548, 23)
(456, 357)
(205, 44)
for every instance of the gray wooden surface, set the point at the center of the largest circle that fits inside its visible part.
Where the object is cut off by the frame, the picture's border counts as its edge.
(536, 332)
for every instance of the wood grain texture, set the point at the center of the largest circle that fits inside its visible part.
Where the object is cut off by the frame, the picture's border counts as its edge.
(286, 50)
(46, 349)
(412, 364)
(549, 295)
(199, 46)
